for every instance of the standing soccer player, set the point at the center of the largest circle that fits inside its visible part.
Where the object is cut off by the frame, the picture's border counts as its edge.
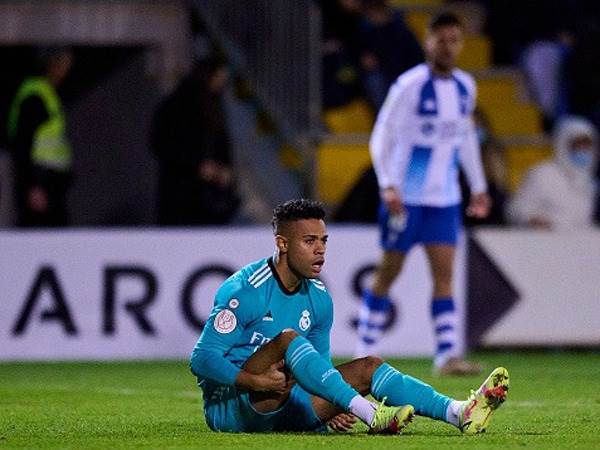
(263, 359)
(423, 132)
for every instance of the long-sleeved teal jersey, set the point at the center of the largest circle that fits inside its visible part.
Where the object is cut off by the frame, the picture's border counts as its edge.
(251, 307)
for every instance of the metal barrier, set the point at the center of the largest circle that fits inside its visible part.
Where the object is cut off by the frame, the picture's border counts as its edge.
(277, 45)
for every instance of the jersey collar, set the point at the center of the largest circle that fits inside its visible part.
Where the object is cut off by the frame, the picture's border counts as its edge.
(285, 290)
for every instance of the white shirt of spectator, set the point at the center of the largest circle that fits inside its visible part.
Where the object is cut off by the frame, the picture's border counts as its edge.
(557, 190)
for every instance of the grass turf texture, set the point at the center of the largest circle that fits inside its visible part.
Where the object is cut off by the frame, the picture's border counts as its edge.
(553, 402)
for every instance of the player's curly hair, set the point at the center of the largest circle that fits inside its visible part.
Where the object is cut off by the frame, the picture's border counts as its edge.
(297, 209)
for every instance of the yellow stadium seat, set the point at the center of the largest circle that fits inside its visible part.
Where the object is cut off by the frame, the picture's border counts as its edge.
(339, 167)
(513, 119)
(356, 117)
(476, 54)
(290, 157)
(520, 158)
(417, 21)
(492, 92)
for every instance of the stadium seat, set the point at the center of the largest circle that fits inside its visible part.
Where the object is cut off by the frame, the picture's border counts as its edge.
(290, 157)
(476, 54)
(338, 167)
(520, 158)
(514, 119)
(496, 92)
(355, 117)
(417, 21)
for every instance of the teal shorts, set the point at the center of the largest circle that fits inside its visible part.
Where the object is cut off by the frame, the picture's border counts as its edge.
(229, 409)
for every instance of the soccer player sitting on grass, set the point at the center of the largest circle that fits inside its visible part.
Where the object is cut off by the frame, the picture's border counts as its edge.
(263, 359)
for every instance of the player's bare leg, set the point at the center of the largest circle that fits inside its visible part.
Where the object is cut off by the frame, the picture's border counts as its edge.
(441, 259)
(447, 361)
(266, 356)
(318, 377)
(388, 269)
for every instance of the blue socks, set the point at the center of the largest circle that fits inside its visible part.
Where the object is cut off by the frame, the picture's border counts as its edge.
(317, 375)
(443, 315)
(373, 315)
(403, 389)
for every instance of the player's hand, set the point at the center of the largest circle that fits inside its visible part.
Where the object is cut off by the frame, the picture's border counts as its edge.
(479, 206)
(391, 199)
(342, 422)
(273, 380)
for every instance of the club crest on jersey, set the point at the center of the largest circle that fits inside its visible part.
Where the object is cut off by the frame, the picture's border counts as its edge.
(225, 321)
(304, 322)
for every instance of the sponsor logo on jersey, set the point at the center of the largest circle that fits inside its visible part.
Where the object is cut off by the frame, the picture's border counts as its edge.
(427, 128)
(448, 129)
(429, 105)
(304, 322)
(259, 338)
(225, 321)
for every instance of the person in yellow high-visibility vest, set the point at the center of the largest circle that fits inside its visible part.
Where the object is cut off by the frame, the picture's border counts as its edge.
(40, 149)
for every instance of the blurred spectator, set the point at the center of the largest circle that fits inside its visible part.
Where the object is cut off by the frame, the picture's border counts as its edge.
(341, 20)
(559, 194)
(582, 70)
(37, 138)
(543, 64)
(193, 147)
(513, 24)
(341, 81)
(492, 158)
(388, 47)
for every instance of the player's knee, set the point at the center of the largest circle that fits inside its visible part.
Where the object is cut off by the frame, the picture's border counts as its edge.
(370, 364)
(286, 337)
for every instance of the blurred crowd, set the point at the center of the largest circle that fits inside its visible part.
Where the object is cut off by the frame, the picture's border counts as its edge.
(191, 142)
(366, 45)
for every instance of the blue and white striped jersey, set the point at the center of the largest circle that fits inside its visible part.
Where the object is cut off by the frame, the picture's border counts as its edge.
(423, 131)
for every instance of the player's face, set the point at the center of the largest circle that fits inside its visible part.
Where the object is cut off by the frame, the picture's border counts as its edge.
(306, 245)
(443, 47)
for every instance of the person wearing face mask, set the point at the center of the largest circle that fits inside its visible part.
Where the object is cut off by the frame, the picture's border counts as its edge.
(559, 194)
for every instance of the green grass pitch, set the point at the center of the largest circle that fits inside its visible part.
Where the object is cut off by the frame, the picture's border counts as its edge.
(554, 402)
